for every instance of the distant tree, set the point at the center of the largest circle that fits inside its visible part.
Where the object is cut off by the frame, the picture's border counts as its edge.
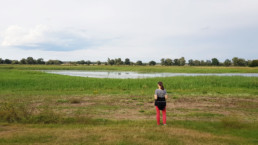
(168, 62)
(7, 61)
(54, 62)
(242, 62)
(254, 63)
(40, 61)
(132, 63)
(111, 61)
(30, 60)
(127, 61)
(235, 61)
(58, 62)
(152, 63)
(1, 61)
(88, 62)
(208, 62)
(139, 62)
(182, 61)
(176, 62)
(190, 62)
(23, 61)
(15, 62)
(239, 61)
(118, 61)
(202, 63)
(81, 62)
(249, 62)
(196, 63)
(106, 63)
(162, 61)
(98, 63)
(227, 62)
(214, 61)
(70, 63)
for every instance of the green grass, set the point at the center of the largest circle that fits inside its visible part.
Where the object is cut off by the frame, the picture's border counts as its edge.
(27, 83)
(42, 108)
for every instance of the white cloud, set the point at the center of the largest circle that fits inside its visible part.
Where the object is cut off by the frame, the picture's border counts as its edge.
(139, 29)
(45, 38)
(17, 36)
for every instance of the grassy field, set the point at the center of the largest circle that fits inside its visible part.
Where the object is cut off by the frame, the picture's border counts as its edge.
(41, 108)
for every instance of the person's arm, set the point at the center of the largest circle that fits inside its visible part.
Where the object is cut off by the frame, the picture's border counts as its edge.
(155, 97)
(166, 96)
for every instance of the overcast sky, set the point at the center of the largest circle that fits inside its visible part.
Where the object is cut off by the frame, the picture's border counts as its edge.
(136, 29)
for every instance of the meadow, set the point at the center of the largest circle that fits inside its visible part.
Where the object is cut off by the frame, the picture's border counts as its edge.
(41, 108)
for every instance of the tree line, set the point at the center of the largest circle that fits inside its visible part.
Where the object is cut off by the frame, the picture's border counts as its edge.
(30, 60)
(118, 61)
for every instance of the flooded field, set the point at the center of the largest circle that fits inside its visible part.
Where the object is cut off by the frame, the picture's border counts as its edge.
(135, 75)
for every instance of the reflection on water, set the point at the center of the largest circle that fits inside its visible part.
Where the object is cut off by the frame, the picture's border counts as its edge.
(135, 75)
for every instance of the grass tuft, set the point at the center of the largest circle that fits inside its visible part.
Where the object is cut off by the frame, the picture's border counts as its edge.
(75, 101)
(62, 101)
(233, 122)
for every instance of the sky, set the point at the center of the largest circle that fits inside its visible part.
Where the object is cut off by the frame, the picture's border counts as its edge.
(72, 30)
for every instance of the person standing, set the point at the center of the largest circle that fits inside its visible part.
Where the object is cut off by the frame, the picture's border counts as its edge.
(160, 102)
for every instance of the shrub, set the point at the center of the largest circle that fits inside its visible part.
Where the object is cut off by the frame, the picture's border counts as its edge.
(15, 112)
(25, 113)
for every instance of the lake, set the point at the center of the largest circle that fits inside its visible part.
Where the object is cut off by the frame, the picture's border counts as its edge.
(136, 75)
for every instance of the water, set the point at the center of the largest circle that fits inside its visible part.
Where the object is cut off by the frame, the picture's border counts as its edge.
(135, 75)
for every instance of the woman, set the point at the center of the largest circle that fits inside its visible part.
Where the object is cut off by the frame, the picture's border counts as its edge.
(160, 102)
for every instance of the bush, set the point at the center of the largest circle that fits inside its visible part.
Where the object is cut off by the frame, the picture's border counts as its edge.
(25, 113)
(15, 112)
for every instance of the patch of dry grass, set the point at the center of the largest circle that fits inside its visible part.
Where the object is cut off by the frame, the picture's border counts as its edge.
(110, 134)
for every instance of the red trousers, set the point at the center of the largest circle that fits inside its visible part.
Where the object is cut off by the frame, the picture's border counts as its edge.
(163, 115)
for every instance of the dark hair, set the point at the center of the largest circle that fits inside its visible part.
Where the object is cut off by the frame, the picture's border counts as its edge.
(161, 85)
